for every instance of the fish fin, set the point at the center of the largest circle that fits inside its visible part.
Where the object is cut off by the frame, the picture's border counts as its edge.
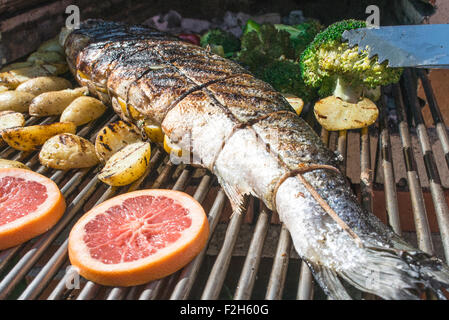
(398, 274)
(329, 282)
(236, 197)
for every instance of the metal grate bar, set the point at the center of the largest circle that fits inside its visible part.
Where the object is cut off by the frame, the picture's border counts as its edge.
(190, 272)
(438, 120)
(280, 265)
(423, 233)
(391, 199)
(219, 270)
(252, 261)
(436, 190)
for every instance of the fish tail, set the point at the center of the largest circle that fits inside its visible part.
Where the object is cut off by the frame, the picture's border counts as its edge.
(399, 274)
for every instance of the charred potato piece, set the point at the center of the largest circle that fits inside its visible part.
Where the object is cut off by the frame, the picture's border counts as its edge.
(114, 137)
(127, 165)
(15, 101)
(83, 110)
(31, 137)
(39, 85)
(335, 114)
(68, 151)
(54, 102)
(11, 119)
(4, 163)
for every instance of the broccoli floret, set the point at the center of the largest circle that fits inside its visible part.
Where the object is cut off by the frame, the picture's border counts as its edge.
(218, 37)
(301, 35)
(269, 54)
(329, 64)
(262, 46)
(285, 77)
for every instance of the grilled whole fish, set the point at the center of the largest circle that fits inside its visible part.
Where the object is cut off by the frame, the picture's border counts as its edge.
(247, 134)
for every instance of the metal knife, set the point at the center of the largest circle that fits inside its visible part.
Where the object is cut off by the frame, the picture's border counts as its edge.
(420, 46)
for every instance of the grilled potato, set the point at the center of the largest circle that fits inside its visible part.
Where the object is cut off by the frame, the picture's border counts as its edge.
(46, 57)
(83, 110)
(296, 102)
(13, 77)
(114, 137)
(16, 65)
(15, 101)
(335, 114)
(51, 45)
(31, 137)
(68, 151)
(54, 102)
(12, 164)
(127, 165)
(40, 85)
(11, 119)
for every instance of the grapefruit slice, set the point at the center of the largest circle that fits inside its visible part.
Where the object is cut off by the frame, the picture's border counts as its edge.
(30, 204)
(138, 237)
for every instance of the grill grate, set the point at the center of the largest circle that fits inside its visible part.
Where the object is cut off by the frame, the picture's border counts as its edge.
(83, 190)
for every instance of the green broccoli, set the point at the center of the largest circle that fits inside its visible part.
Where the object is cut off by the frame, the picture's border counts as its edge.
(285, 76)
(264, 45)
(221, 42)
(269, 53)
(329, 64)
(301, 35)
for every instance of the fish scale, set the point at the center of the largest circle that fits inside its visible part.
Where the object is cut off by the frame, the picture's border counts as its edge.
(246, 133)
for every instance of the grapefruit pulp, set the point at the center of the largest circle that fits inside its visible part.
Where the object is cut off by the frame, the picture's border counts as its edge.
(138, 237)
(30, 204)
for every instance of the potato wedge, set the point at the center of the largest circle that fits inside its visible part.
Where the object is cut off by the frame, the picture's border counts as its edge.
(16, 65)
(68, 151)
(127, 165)
(15, 101)
(296, 102)
(46, 57)
(31, 137)
(54, 102)
(114, 137)
(14, 77)
(39, 85)
(51, 45)
(83, 110)
(4, 163)
(11, 119)
(56, 69)
(335, 114)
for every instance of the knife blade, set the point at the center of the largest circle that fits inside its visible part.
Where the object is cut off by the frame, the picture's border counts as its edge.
(420, 46)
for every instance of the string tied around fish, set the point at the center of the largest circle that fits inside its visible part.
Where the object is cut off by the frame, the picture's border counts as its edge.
(304, 168)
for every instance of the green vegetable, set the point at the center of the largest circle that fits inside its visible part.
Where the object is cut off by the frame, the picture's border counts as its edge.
(217, 37)
(267, 44)
(301, 35)
(270, 54)
(251, 25)
(285, 77)
(329, 64)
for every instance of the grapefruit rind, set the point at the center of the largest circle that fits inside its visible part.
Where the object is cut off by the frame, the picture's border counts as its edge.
(38, 222)
(163, 263)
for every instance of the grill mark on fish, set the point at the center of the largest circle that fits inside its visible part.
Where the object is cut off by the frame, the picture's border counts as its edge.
(232, 116)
